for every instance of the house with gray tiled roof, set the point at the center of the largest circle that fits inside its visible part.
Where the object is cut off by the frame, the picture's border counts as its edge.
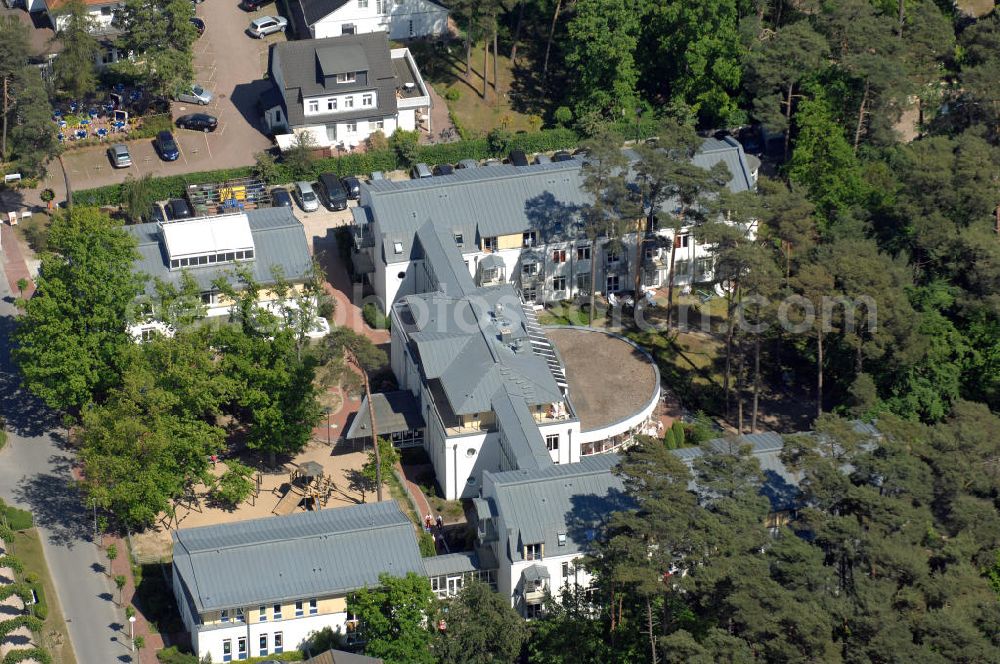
(340, 90)
(401, 19)
(522, 226)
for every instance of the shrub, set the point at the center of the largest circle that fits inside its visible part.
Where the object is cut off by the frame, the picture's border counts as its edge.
(36, 232)
(453, 94)
(453, 152)
(563, 115)
(235, 484)
(426, 543)
(498, 142)
(377, 142)
(405, 145)
(678, 430)
(559, 138)
(31, 578)
(3, 438)
(375, 318)
(40, 611)
(173, 655)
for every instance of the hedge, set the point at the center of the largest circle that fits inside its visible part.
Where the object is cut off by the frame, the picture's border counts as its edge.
(350, 164)
(173, 655)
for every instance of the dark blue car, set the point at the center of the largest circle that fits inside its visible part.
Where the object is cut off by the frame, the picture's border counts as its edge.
(167, 146)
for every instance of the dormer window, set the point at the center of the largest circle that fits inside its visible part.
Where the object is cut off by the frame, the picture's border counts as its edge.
(349, 77)
(314, 106)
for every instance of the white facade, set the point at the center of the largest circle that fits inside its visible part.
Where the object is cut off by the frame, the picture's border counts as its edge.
(261, 638)
(402, 19)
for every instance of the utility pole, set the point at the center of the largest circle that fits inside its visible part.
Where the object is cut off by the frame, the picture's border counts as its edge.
(353, 359)
(3, 148)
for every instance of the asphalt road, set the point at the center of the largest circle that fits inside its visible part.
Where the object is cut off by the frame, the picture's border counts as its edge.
(35, 474)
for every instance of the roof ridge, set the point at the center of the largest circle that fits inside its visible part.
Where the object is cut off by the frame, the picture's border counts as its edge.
(404, 186)
(298, 539)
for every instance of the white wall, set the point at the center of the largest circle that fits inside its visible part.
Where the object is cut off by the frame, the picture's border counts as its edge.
(569, 440)
(428, 19)
(552, 563)
(295, 631)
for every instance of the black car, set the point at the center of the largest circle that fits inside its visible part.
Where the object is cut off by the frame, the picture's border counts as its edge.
(332, 191)
(352, 185)
(280, 197)
(518, 158)
(199, 25)
(177, 208)
(562, 155)
(198, 121)
(156, 214)
(443, 169)
(167, 146)
(253, 5)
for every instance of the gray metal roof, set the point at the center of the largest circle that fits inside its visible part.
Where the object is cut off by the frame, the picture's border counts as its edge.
(519, 429)
(572, 499)
(284, 558)
(302, 73)
(279, 242)
(451, 563)
(342, 657)
(442, 257)
(394, 412)
(534, 573)
(317, 10)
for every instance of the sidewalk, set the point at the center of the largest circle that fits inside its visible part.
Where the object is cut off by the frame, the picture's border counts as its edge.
(14, 265)
(121, 565)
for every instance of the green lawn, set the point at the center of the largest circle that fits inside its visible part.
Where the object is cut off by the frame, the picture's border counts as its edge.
(444, 68)
(54, 637)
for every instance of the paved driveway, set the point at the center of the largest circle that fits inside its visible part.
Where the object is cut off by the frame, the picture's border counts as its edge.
(229, 63)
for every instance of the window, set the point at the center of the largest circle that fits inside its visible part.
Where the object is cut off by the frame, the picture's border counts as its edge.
(379, 6)
(348, 77)
(314, 105)
(298, 609)
(583, 282)
(411, 29)
(583, 253)
(349, 101)
(532, 611)
(248, 254)
(380, 125)
(227, 650)
(351, 127)
(262, 614)
(105, 11)
(224, 614)
(313, 609)
(279, 643)
(612, 283)
(649, 253)
(490, 244)
(703, 268)
(561, 538)
(362, 4)
(490, 274)
(276, 611)
(331, 104)
(559, 256)
(528, 239)
(552, 442)
(459, 239)
(239, 615)
(682, 240)
(558, 283)
(367, 99)
(612, 256)
(529, 294)
(397, 247)
(346, 29)
(241, 648)
(263, 643)
(565, 570)
(533, 551)
(529, 269)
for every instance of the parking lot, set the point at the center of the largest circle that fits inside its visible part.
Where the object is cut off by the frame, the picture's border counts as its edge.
(229, 63)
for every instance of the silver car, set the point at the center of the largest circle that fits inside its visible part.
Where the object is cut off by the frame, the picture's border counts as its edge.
(119, 156)
(308, 200)
(196, 95)
(266, 25)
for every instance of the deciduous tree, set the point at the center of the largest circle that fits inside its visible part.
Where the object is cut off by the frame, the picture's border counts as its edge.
(394, 619)
(481, 628)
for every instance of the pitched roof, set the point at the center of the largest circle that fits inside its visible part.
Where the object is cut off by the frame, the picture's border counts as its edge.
(306, 64)
(317, 10)
(569, 499)
(279, 241)
(394, 412)
(519, 430)
(342, 657)
(303, 555)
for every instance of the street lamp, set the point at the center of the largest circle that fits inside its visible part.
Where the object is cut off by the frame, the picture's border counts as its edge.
(131, 632)
(328, 412)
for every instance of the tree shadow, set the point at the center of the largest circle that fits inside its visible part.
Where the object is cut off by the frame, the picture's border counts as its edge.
(99, 568)
(26, 415)
(56, 505)
(107, 597)
(589, 513)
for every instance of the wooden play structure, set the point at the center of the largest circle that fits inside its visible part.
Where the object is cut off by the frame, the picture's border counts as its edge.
(308, 487)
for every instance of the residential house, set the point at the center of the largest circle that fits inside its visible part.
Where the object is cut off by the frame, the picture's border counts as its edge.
(261, 587)
(265, 242)
(401, 19)
(101, 14)
(342, 657)
(340, 90)
(532, 237)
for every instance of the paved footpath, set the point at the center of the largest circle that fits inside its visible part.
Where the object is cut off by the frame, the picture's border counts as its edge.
(35, 473)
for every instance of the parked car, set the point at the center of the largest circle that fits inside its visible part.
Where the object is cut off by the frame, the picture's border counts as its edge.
(119, 156)
(156, 214)
(267, 25)
(562, 155)
(421, 170)
(195, 95)
(443, 169)
(492, 162)
(280, 197)
(543, 159)
(518, 158)
(467, 163)
(332, 191)
(167, 146)
(352, 185)
(376, 175)
(198, 122)
(308, 200)
(199, 25)
(177, 208)
(253, 5)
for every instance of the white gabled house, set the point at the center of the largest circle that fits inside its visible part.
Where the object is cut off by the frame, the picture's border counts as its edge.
(340, 90)
(101, 14)
(402, 19)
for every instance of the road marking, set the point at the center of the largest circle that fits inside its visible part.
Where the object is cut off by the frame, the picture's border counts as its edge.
(183, 156)
(208, 145)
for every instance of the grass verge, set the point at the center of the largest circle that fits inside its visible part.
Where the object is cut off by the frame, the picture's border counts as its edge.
(54, 636)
